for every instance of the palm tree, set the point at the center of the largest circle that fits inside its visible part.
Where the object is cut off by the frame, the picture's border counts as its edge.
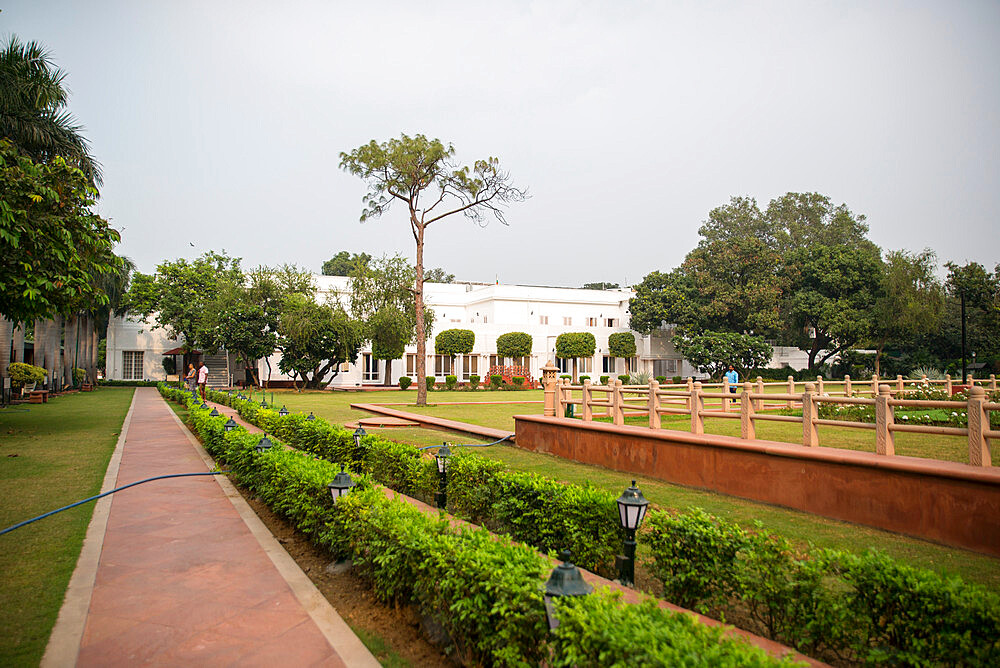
(32, 108)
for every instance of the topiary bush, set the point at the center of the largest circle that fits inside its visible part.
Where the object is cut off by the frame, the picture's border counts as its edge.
(621, 344)
(450, 382)
(624, 378)
(604, 380)
(662, 380)
(583, 378)
(514, 344)
(517, 382)
(453, 342)
(429, 380)
(496, 381)
(405, 382)
(473, 382)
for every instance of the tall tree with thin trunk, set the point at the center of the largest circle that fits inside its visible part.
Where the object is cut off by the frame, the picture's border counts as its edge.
(6, 334)
(423, 174)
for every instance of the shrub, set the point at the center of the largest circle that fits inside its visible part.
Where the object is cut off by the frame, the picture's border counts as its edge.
(575, 344)
(496, 381)
(429, 380)
(639, 378)
(930, 372)
(450, 381)
(566, 376)
(405, 382)
(583, 378)
(518, 382)
(677, 380)
(624, 378)
(604, 380)
(514, 344)
(621, 344)
(25, 374)
(662, 380)
(473, 382)
(79, 375)
(454, 342)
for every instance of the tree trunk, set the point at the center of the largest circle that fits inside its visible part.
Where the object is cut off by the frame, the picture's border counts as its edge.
(55, 350)
(418, 297)
(18, 355)
(6, 337)
(254, 374)
(388, 373)
(574, 370)
(878, 358)
(69, 354)
(38, 355)
(83, 344)
(93, 350)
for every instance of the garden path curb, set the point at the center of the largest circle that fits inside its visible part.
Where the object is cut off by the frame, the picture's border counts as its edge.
(437, 423)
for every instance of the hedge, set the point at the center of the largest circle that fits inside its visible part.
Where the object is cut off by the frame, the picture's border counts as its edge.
(483, 591)
(405, 382)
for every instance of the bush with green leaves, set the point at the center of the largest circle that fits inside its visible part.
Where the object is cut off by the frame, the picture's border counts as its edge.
(677, 380)
(604, 380)
(517, 382)
(621, 344)
(430, 380)
(453, 342)
(450, 382)
(25, 374)
(662, 380)
(624, 378)
(713, 352)
(496, 381)
(405, 382)
(566, 376)
(639, 378)
(514, 344)
(473, 382)
(79, 375)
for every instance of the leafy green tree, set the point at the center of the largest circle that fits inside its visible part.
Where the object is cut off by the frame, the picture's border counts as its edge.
(514, 344)
(662, 299)
(315, 339)
(713, 352)
(802, 220)
(972, 286)
(438, 275)
(832, 296)
(622, 344)
(344, 263)
(422, 174)
(53, 248)
(33, 112)
(910, 299)
(181, 292)
(453, 342)
(382, 298)
(574, 345)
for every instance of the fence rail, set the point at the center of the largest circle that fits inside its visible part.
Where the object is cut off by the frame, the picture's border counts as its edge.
(617, 401)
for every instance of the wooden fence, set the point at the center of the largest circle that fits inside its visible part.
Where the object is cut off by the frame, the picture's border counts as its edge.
(616, 401)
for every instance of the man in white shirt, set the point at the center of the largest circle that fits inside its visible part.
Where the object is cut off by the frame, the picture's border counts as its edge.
(202, 378)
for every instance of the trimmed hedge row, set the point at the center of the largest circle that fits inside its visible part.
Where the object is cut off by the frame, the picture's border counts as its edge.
(484, 592)
(814, 601)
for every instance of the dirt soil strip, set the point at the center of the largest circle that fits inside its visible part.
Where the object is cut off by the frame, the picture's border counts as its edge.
(437, 423)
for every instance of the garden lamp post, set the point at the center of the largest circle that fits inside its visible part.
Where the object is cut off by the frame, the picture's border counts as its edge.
(359, 434)
(340, 485)
(263, 444)
(442, 456)
(230, 424)
(214, 413)
(631, 509)
(283, 412)
(263, 403)
(565, 580)
(310, 417)
(203, 406)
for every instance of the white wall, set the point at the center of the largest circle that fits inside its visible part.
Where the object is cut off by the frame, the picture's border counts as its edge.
(133, 335)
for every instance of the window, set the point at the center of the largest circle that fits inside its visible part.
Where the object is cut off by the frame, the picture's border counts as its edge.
(630, 364)
(565, 364)
(369, 368)
(470, 366)
(567, 320)
(591, 322)
(523, 362)
(345, 366)
(586, 364)
(611, 322)
(411, 364)
(132, 365)
(543, 320)
(666, 368)
(608, 364)
(442, 365)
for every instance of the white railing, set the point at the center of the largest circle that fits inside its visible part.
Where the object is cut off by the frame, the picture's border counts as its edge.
(616, 401)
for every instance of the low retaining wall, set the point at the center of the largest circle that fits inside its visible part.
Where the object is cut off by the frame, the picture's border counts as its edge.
(945, 502)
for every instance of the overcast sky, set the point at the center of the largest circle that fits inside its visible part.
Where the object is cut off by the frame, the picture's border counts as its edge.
(220, 124)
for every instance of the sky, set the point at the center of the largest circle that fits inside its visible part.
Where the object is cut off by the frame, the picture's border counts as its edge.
(219, 125)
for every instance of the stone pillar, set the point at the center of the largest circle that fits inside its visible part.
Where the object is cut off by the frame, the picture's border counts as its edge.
(979, 423)
(618, 404)
(993, 382)
(810, 437)
(549, 372)
(791, 390)
(697, 406)
(899, 383)
(725, 394)
(759, 402)
(874, 385)
(947, 383)
(819, 385)
(847, 385)
(746, 414)
(970, 381)
(690, 389)
(885, 438)
(588, 409)
(653, 404)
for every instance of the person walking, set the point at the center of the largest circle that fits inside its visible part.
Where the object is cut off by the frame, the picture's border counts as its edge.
(191, 379)
(733, 378)
(202, 379)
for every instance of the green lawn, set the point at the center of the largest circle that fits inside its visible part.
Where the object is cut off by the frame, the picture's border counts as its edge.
(50, 456)
(800, 527)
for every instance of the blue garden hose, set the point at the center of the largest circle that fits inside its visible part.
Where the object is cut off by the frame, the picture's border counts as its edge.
(94, 498)
(469, 445)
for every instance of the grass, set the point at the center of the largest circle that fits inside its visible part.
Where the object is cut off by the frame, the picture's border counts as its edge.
(50, 456)
(799, 527)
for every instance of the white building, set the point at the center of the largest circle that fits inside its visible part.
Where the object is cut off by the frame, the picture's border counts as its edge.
(135, 349)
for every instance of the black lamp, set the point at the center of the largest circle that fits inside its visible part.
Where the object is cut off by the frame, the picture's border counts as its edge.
(263, 403)
(203, 406)
(631, 509)
(230, 424)
(263, 444)
(283, 412)
(214, 413)
(340, 485)
(442, 456)
(310, 417)
(565, 580)
(359, 434)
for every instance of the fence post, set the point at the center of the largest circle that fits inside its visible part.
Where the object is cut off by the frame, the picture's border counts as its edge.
(549, 380)
(654, 404)
(759, 403)
(746, 414)
(617, 405)
(725, 394)
(560, 406)
(993, 382)
(819, 385)
(947, 383)
(810, 437)
(923, 380)
(791, 389)
(847, 385)
(697, 406)
(899, 383)
(588, 409)
(979, 422)
(874, 385)
(885, 438)
(687, 402)
(970, 381)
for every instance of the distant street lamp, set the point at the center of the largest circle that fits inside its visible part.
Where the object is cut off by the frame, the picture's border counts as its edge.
(442, 457)
(340, 485)
(283, 412)
(631, 509)
(565, 580)
(203, 406)
(214, 413)
(263, 444)
(230, 424)
(310, 417)
(359, 434)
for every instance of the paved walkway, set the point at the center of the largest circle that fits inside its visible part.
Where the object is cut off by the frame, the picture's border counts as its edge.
(182, 572)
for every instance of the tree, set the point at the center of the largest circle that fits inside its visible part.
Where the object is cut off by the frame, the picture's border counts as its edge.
(382, 298)
(713, 352)
(344, 263)
(622, 344)
(514, 344)
(833, 293)
(32, 109)
(661, 299)
(181, 292)
(600, 286)
(438, 275)
(422, 173)
(453, 342)
(910, 299)
(315, 339)
(574, 345)
(972, 285)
